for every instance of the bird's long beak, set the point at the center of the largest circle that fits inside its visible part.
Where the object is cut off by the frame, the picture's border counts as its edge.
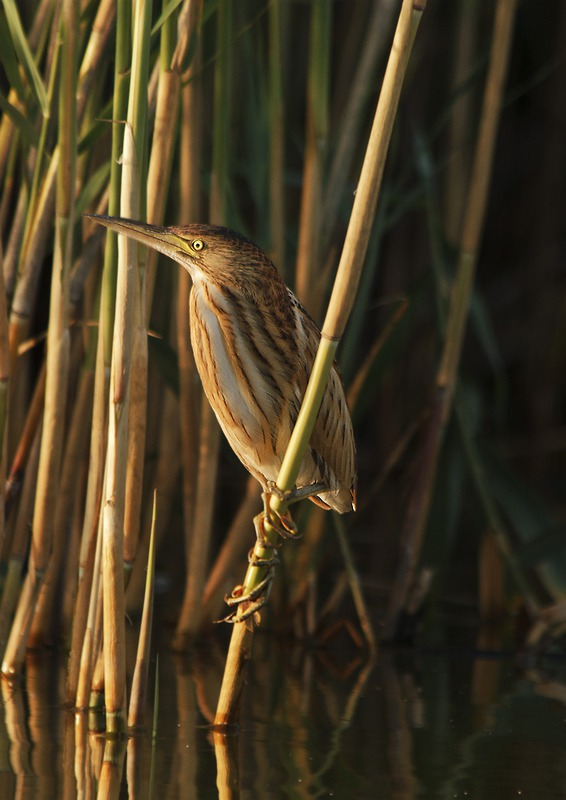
(154, 236)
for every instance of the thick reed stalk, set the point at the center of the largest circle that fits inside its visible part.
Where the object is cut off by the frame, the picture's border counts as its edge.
(57, 344)
(209, 450)
(4, 385)
(98, 439)
(128, 294)
(190, 391)
(162, 147)
(341, 301)
(445, 384)
(47, 619)
(90, 523)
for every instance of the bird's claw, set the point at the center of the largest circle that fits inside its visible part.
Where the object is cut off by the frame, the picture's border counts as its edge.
(281, 522)
(256, 598)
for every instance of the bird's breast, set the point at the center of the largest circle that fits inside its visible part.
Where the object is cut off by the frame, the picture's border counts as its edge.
(239, 392)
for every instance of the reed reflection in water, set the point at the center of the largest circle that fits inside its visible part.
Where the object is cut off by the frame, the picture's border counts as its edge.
(313, 724)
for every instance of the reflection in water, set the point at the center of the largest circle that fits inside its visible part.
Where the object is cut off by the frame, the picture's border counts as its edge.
(313, 724)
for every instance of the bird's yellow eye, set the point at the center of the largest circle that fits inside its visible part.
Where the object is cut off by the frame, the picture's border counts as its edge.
(198, 245)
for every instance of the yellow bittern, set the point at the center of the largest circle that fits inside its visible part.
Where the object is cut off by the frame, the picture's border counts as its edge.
(254, 347)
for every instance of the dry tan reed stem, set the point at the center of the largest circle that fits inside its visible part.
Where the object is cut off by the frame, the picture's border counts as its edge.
(91, 516)
(30, 260)
(19, 544)
(309, 252)
(158, 181)
(139, 680)
(7, 132)
(276, 140)
(79, 683)
(137, 418)
(116, 468)
(221, 576)
(166, 484)
(100, 31)
(32, 422)
(74, 454)
(415, 521)
(189, 618)
(128, 296)
(200, 535)
(190, 391)
(4, 386)
(239, 653)
(161, 159)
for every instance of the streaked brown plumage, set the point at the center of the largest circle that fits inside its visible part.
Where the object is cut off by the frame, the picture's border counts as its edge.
(254, 346)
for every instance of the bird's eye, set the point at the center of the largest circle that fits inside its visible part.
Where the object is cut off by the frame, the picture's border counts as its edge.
(198, 245)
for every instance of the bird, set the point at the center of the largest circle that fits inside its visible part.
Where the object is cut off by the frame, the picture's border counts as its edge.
(254, 346)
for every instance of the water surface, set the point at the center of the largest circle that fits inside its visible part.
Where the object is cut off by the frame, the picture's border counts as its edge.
(321, 723)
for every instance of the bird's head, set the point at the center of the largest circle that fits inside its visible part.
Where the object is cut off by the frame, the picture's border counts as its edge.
(208, 252)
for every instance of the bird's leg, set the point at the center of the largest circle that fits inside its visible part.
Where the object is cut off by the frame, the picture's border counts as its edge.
(291, 496)
(284, 526)
(283, 522)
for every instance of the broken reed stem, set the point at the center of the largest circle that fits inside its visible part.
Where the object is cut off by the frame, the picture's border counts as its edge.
(417, 513)
(341, 301)
(355, 588)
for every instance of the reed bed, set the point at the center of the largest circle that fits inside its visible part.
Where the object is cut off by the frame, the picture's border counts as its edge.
(257, 117)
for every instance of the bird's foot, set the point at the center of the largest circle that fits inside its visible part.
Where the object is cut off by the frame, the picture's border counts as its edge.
(282, 522)
(290, 496)
(254, 599)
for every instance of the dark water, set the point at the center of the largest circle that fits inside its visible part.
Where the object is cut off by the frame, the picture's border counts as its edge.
(313, 724)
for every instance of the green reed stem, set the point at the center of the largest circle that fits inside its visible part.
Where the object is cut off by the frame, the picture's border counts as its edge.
(341, 301)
